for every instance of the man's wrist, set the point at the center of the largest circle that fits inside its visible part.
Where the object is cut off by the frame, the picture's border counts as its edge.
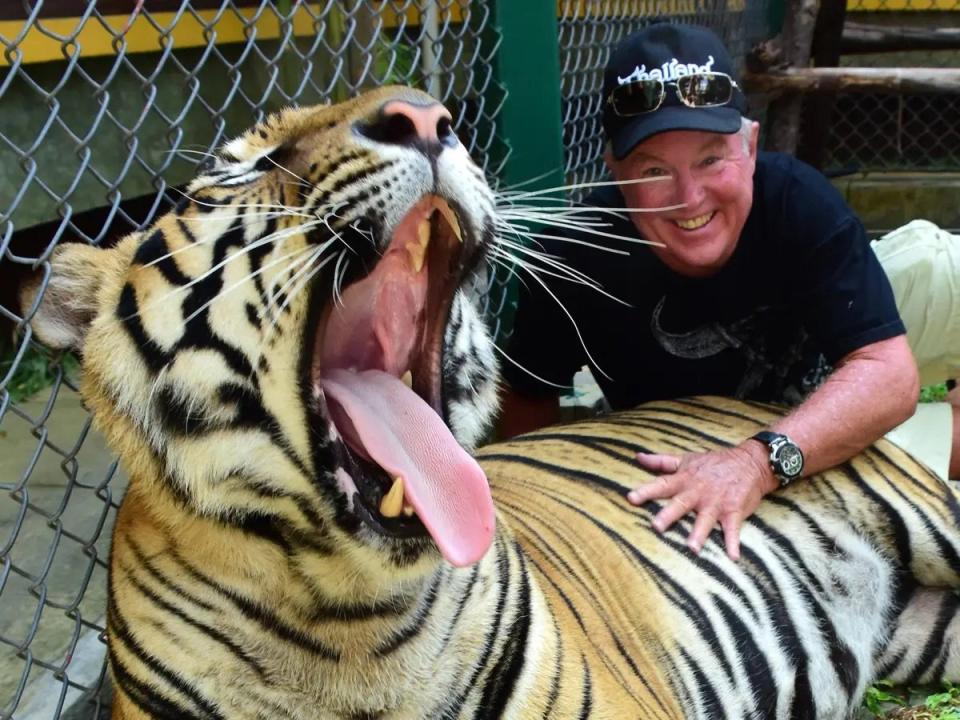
(760, 455)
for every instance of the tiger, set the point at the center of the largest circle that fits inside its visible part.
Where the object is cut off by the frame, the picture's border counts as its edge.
(294, 368)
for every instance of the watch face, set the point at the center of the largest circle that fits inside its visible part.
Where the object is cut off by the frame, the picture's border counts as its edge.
(790, 460)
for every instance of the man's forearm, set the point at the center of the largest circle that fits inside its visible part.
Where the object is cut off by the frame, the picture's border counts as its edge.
(871, 391)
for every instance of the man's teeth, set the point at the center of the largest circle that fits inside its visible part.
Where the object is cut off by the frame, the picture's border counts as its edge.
(694, 223)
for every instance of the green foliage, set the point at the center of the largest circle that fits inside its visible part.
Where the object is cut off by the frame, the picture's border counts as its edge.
(35, 371)
(395, 62)
(879, 695)
(946, 704)
(885, 701)
(933, 393)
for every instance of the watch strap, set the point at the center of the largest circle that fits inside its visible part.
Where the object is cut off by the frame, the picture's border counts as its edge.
(766, 436)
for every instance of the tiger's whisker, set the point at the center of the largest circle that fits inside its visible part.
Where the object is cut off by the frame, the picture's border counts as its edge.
(586, 230)
(229, 258)
(522, 231)
(273, 310)
(558, 217)
(576, 327)
(506, 356)
(296, 291)
(318, 250)
(210, 240)
(341, 258)
(242, 281)
(561, 272)
(289, 171)
(235, 206)
(593, 184)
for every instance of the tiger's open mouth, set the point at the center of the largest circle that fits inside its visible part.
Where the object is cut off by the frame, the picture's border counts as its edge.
(377, 362)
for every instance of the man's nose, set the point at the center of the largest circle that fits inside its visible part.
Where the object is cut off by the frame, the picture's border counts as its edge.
(404, 123)
(687, 189)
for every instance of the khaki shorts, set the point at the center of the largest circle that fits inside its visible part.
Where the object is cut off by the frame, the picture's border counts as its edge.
(923, 265)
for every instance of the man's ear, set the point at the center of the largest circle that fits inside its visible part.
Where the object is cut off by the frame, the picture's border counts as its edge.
(754, 137)
(60, 306)
(608, 159)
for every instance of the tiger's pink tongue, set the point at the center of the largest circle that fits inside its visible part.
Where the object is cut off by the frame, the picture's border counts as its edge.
(403, 435)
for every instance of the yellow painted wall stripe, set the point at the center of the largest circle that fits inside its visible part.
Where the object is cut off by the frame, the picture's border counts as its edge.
(901, 5)
(97, 38)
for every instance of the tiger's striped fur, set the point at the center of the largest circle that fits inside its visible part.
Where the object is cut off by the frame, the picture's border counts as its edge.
(249, 580)
(846, 577)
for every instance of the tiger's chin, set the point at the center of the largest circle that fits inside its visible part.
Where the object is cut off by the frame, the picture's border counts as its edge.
(375, 376)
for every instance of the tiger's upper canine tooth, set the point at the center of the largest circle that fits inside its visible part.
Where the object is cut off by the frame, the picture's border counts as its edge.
(392, 503)
(418, 249)
(450, 216)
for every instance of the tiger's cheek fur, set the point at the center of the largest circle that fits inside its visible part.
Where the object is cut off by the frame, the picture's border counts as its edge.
(469, 371)
(201, 392)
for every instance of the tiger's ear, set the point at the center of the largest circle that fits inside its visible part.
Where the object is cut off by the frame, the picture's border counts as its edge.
(64, 306)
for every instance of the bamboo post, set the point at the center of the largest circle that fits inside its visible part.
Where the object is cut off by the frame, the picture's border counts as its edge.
(817, 115)
(868, 38)
(797, 38)
(792, 81)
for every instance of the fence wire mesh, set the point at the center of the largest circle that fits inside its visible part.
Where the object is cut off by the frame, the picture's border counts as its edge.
(886, 131)
(588, 33)
(109, 107)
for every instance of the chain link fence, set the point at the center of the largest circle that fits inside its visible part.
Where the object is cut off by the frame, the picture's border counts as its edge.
(886, 131)
(109, 108)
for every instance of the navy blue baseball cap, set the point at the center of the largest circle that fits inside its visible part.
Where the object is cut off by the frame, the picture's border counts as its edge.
(667, 52)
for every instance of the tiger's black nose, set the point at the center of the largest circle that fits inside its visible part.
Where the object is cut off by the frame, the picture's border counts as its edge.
(403, 123)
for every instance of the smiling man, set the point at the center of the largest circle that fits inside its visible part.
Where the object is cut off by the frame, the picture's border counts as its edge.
(757, 281)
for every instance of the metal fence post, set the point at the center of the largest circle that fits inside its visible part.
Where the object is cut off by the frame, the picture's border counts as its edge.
(527, 67)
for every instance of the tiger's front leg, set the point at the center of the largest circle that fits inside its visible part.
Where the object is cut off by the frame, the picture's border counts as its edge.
(901, 508)
(911, 519)
(924, 645)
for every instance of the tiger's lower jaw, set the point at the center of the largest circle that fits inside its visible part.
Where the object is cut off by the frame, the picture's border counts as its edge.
(366, 498)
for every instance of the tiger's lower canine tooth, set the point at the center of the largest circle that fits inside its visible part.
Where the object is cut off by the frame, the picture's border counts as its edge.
(407, 378)
(392, 502)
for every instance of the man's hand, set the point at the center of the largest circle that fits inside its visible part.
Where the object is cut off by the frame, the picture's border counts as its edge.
(723, 485)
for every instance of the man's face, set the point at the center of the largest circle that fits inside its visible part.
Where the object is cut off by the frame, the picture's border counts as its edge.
(711, 175)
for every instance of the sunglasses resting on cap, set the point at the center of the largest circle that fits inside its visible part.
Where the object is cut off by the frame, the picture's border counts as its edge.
(700, 90)
(669, 77)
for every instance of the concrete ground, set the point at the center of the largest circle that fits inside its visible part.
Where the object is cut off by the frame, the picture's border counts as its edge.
(58, 489)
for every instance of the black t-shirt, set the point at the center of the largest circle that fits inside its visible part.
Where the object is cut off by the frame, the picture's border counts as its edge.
(801, 290)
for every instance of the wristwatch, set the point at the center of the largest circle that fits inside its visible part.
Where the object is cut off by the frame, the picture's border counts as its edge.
(786, 457)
